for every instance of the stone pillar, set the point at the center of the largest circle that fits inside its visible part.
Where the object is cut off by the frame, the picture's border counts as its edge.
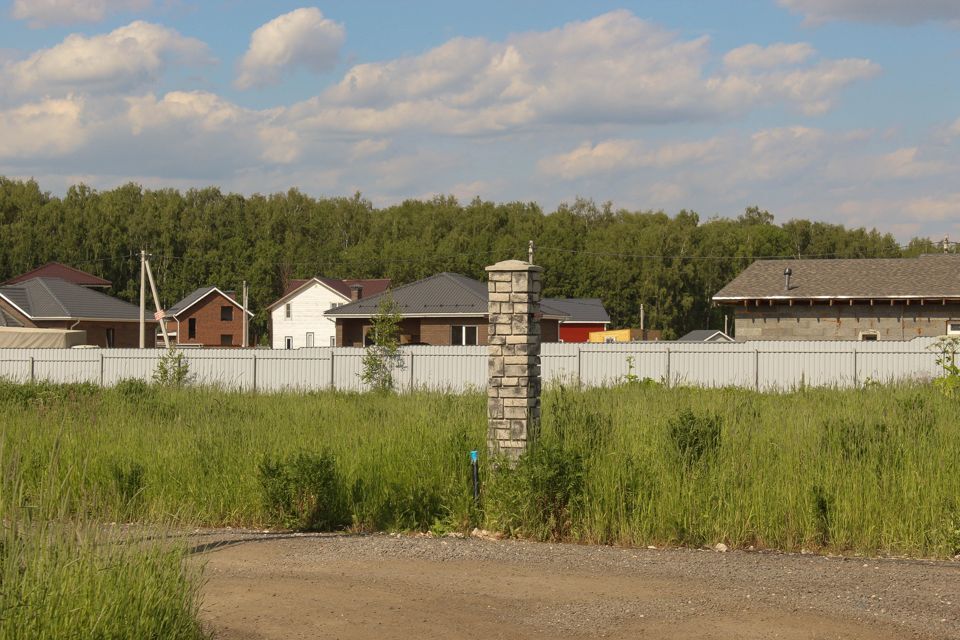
(513, 390)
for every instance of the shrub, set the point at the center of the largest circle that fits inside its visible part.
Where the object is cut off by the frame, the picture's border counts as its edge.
(538, 497)
(305, 492)
(695, 437)
(172, 370)
(133, 389)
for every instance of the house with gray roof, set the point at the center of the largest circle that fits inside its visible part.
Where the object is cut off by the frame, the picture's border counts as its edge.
(54, 303)
(846, 299)
(705, 335)
(443, 309)
(206, 317)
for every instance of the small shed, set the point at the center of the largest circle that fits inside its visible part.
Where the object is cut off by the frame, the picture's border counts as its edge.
(31, 338)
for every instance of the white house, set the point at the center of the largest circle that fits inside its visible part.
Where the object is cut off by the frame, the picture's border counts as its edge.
(297, 320)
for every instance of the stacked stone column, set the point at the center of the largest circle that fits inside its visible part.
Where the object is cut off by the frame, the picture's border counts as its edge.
(513, 390)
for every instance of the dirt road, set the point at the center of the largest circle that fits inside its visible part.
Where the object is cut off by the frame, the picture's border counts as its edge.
(323, 586)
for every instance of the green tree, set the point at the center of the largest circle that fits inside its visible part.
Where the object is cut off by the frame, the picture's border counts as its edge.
(382, 356)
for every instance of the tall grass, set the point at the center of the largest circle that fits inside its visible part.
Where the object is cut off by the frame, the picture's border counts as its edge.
(869, 470)
(64, 576)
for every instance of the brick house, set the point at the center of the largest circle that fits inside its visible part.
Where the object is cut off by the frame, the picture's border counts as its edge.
(860, 299)
(63, 272)
(444, 309)
(584, 315)
(54, 303)
(207, 317)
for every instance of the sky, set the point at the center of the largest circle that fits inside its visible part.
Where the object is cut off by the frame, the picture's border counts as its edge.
(843, 111)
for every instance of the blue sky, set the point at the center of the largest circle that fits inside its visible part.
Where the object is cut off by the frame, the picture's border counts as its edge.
(839, 110)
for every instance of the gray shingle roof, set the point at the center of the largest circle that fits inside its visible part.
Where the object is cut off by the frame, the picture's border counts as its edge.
(579, 309)
(43, 298)
(443, 294)
(931, 276)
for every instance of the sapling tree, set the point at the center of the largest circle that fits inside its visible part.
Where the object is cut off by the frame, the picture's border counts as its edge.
(382, 357)
(947, 349)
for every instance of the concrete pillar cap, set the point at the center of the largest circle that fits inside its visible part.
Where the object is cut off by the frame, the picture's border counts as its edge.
(514, 265)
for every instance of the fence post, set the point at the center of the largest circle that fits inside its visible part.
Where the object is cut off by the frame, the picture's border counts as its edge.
(855, 376)
(669, 374)
(101, 369)
(579, 366)
(756, 369)
(411, 371)
(33, 376)
(254, 372)
(333, 370)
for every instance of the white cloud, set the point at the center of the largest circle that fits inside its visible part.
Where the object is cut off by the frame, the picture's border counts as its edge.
(369, 147)
(301, 38)
(906, 163)
(44, 129)
(625, 155)
(615, 69)
(955, 128)
(44, 13)
(124, 58)
(901, 12)
(774, 55)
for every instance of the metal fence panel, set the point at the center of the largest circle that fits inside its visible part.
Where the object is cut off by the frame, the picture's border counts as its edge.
(771, 365)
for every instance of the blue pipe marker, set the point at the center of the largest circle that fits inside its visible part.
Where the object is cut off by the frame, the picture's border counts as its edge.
(475, 467)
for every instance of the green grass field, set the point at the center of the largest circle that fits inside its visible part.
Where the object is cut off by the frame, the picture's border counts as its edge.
(870, 471)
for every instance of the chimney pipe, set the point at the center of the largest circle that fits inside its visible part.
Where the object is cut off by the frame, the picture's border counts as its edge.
(786, 278)
(356, 292)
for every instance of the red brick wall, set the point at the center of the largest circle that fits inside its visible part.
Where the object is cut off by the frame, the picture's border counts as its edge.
(209, 325)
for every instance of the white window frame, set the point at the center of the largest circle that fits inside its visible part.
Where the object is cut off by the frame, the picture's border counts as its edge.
(288, 311)
(874, 336)
(309, 339)
(953, 327)
(288, 342)
(333, 341)
(463, 335)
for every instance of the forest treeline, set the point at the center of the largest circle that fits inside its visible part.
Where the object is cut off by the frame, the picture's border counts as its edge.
(670, 264)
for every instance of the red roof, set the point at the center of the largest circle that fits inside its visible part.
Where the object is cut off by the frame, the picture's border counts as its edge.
(63, 272)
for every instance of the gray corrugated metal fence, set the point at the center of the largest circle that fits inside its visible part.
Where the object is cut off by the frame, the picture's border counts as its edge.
(760, 365)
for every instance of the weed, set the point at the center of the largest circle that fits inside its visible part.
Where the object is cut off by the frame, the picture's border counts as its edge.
(305, 491)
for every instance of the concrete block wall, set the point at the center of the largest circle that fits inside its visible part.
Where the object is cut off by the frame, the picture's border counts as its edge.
(843, 321)
(513, 389)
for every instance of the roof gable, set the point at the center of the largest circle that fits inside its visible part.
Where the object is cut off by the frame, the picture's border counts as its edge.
(371, 286)
(931, 276)
(196, 296)
(63, 272)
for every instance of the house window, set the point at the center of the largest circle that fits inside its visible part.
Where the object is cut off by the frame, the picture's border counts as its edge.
(309, 339)
(953, 328)
(463, 335)
(869, 336)
(334, 305)
(226, 339)
(226, 313)
(110, 337)
(192, 329)
(288, 342)
(288, 311)
(333, 341)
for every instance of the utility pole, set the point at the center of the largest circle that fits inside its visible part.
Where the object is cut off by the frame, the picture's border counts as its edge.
(530, 252)
(156, 300)
(246, 329)
(143, 300)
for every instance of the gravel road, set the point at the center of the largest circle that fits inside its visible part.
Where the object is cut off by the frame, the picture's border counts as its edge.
(387, 586)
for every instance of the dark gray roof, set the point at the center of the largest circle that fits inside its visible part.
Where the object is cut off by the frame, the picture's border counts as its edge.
(442, 294)
(7, 320)
(705, 335)
(579, 309)
(930, 276)
(42, 298)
